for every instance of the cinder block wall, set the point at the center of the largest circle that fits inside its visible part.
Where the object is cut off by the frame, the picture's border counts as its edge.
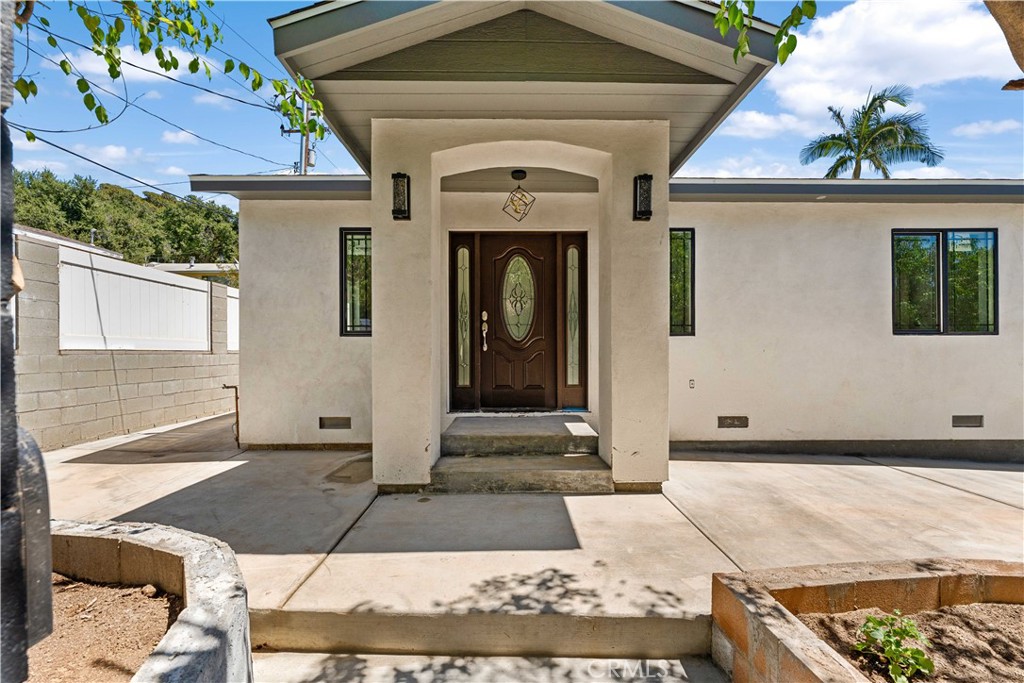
(69, 397)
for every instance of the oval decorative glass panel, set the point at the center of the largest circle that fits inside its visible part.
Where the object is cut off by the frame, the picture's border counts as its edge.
(517, 298)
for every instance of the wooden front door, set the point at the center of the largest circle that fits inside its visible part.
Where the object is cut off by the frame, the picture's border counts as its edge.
(518, 334)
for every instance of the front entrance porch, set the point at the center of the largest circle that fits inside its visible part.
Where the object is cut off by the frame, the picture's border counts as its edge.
(551, 453)
(567, 308)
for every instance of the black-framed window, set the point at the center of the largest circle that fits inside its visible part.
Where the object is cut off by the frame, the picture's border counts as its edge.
(945, 282)
(680, 282)
(356, 309)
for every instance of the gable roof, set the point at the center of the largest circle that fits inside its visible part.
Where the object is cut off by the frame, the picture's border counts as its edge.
(520, 59)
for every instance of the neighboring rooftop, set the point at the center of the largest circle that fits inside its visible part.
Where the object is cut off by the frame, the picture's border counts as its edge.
(197, 270)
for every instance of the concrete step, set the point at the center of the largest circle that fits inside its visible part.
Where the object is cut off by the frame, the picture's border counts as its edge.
(517, 474)
(516, 575)
(519, 435)
(537, 633)
(293, 667)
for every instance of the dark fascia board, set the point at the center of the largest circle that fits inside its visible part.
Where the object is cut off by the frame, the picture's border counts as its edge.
(284, 187)
(299, 34)
(698, 21)
(292, 33)
(738, 94)
(844, 190)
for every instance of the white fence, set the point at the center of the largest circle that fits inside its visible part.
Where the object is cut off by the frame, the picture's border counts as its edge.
(110, 304)
(232, 319)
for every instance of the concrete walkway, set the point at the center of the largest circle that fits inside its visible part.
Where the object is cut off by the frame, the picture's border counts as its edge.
(281, 511)
(313, 539)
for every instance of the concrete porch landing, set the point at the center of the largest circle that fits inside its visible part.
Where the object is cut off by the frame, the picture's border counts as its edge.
(520, 454)
(519, 435)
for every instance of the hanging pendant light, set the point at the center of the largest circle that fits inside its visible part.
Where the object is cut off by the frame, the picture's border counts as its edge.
(519, 200)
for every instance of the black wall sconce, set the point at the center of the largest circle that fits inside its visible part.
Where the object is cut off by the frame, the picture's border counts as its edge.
(400, 197)
(642, 185)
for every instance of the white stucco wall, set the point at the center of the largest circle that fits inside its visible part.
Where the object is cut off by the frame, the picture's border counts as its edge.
(793, 323)
(294, 366)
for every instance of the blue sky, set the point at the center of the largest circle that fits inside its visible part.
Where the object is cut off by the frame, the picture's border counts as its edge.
(950, 52)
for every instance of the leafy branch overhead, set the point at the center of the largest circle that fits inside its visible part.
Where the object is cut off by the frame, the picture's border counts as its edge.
(739, 15)
(178, 34)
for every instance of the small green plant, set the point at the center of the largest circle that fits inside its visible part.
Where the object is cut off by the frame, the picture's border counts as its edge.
(883, 640)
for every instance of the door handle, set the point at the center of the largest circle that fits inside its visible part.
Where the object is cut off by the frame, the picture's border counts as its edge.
(483, 327)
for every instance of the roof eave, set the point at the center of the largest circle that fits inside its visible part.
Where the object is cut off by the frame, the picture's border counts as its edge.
(1009, 191)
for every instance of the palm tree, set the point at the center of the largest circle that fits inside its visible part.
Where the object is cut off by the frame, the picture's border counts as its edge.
(874, 138)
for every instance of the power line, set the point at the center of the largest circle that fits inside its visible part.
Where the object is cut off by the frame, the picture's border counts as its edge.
(330, 162)
(224, 22)
(186, 182)
(133, 103)
(93, 161)
(261, 105)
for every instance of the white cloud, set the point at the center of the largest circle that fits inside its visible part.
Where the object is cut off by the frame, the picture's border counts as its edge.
(20, 142)
(173, 170)
(33, 165)
(152, 95)
(94, 66)
(215, 100)
(927, 172)
(109, 154)
(747, 167)
(758, 125)
(875, 44)
(178, 137)
(979, 129)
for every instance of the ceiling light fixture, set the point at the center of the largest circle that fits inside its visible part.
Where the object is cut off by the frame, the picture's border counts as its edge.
(519, 200)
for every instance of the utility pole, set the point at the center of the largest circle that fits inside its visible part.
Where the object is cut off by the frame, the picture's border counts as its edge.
(307, 158)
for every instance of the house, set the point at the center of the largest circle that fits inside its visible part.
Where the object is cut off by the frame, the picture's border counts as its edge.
(875, 317)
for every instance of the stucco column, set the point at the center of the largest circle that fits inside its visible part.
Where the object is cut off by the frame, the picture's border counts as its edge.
(634, 316)
(406, 316)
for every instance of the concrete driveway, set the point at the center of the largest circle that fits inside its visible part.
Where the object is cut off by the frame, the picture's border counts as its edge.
(312, 536)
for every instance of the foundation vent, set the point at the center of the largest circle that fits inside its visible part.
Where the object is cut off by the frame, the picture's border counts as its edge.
(968, 420)
(335, 423)
(733, 421)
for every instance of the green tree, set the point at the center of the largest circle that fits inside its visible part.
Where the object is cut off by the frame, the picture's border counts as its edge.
(194, 229)
(154, 227)
(874, 138)
(157, 27)
(126, 223)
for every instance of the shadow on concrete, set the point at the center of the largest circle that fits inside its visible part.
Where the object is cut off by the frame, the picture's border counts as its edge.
(549, 591)
(362, 669)
(462, 523)
(851, 459)
(206, 441)
(267, 503)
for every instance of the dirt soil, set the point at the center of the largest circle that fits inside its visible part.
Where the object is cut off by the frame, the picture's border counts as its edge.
(100, 632)
(979, 643)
